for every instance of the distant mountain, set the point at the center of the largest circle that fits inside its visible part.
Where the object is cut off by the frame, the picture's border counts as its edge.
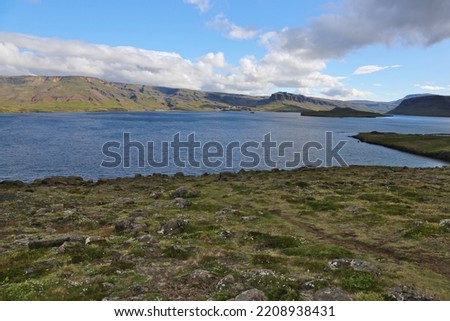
(380, 106)
(431, 105)
(74, 93)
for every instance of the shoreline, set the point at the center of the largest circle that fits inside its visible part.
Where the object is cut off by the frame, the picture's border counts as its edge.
(435, 146)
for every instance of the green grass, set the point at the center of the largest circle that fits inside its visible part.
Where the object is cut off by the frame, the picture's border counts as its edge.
(303, 219)
(434, 146)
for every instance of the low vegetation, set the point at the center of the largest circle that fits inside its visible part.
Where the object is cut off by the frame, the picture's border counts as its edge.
(431, 145)
(380, 234)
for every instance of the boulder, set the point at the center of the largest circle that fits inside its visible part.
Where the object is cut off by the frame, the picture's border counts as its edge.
(181, 202)
(201, 277)
(445, 222)
(251, 295)
(179, 192)
(54, 242)
(226, 282)
(354, 264)
(173, 227)
(406, 293)
(332, 294)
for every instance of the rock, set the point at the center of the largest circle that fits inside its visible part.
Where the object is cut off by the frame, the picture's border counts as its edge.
(107, 285)
(445, 222)
(313, 284)
(251, 295)
(227, 234)
(182, 192)
(122, 226)
(147, 239)
(156, 195)
(137, 214)
(228, 210)
(201, 277)
(179, 192)
(181, 202)
(172, 227)
(94, 240)
(138, 228)
(356, 265)
(331, 294)
(406, 293)
(54, 242)
(249, 218)
(226, 282)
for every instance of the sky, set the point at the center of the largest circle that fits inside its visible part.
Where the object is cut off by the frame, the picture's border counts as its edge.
(349, 49)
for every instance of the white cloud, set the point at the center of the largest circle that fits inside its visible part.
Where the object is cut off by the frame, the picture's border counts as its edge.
(368, 69)
(232, 31)
(201, 5)
(433, 87)
(24, 54)
(345, 93)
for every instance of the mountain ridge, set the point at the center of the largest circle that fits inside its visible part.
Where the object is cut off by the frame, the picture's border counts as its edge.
(80, 93)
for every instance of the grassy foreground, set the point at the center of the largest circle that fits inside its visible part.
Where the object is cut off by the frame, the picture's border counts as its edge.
(369, 233)
(434, 146)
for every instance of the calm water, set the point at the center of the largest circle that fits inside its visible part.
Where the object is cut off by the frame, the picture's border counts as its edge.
(40, 145)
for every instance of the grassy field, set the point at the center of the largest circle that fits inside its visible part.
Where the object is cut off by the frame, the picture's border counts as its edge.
(434, 146)
(215, 236)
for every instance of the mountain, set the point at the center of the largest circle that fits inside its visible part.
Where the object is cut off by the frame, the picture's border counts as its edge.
(381, 106)
(75, 93)
(431, 105)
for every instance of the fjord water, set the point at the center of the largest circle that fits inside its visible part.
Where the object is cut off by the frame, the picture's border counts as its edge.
(40, 145)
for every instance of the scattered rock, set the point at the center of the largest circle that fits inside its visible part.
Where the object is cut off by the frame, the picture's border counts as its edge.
(227, 234)
(406, 293)
(107, 285)
(147, 239)
(228, 210)
(251, 295)
(139, 213)
(201, 277)
(54, 242)
(181, 202)
(417, 223)
(182, 192)
(314, 284)
(356, 265)
(332, 294)
(173, 227)
(122, 226)
(179, 192)
(95, 240)
(445, 222)
(156, 195)
(226, 282)
(249, 218)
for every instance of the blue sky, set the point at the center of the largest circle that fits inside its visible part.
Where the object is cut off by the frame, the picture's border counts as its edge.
(349, 49)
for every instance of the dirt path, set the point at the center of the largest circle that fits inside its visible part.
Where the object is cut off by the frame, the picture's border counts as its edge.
(437, 265)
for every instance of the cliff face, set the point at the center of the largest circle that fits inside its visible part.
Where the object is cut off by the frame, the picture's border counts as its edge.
(433, 105)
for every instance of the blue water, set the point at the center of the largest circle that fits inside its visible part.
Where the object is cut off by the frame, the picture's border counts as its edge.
(41, 145)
